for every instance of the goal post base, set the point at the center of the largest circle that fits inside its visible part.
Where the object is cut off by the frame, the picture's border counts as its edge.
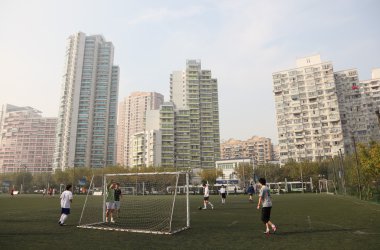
(131, 230)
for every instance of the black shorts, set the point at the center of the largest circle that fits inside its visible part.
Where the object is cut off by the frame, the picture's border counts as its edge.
(65, 210)
(205, 198)
(223, 195)
(265, 214)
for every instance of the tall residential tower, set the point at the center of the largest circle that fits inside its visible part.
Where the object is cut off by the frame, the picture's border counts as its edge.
(196, 91)
(132, 120)
(321, 112)
(86, 129)
(307, 110)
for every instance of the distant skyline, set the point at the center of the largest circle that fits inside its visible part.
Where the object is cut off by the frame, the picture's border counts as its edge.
(241, 42)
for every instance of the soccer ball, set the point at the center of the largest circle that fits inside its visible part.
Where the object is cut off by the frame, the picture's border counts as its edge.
(200, 208)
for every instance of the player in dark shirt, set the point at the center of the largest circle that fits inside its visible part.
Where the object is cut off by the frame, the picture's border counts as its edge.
(117, 199)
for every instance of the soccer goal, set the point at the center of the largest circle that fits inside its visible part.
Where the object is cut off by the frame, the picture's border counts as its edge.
(327, 186)
(150, 203)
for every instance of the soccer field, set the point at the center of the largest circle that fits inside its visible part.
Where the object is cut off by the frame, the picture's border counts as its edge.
(305, 221)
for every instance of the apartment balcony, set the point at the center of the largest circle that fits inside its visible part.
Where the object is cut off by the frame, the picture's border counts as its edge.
(295, 104)
(334, 117)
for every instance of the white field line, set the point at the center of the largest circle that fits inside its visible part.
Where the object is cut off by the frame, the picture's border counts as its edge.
(232, 223)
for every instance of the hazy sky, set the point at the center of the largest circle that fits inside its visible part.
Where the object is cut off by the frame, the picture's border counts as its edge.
(241, 42)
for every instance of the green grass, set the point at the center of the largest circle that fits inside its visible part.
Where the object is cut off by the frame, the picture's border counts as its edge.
(308, 221)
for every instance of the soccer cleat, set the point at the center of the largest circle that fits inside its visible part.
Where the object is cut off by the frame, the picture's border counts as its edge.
(106, 219)
(204, 208)
(267, 232)
(112, 221)
(274, 228)
(62, 224)
(212, 208)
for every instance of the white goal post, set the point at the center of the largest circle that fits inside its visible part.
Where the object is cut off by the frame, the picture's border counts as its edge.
(147, 204)
(327, 186)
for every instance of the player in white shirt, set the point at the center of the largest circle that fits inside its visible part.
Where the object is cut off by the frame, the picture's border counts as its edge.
(206, 197)
(266, 201)
(66, 200)
(222, 192)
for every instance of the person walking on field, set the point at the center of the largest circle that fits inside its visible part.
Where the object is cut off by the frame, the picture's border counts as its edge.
(251, 191)
(266, 202)
(222, 192)
(66, 200)
(206, 197)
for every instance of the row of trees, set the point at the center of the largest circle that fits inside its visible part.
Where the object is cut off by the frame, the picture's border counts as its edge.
(352, 175)
(27, 182)
(357, 175)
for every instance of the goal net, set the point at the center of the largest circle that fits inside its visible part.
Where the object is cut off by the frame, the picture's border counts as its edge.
(327, 186)
(149, 203)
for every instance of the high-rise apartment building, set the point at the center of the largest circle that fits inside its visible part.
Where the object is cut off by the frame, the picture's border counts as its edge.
(26, 140)
(320, 112)
(358, 101)
(258, 149)
(86, 129)
(307, 110)
(167, 127)
(194, 94)
(371, 90)
(132, 120)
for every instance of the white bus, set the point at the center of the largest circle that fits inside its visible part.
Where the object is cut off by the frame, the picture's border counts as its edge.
(296, 186)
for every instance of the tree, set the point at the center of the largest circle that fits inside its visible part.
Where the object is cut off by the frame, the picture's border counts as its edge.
(369, 159)
(210, 175)
(244, 172)
(24, 179)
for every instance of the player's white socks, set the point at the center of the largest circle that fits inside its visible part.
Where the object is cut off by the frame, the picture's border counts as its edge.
(63, 218)
(212, 206)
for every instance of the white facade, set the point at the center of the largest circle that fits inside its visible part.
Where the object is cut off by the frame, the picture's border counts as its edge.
(146, 149)
(86, 129)
(320, 112)
(133, 120)
(228, 167)
(307, 111)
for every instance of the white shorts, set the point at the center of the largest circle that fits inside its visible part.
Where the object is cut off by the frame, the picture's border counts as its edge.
(110, 205)
(117, 204)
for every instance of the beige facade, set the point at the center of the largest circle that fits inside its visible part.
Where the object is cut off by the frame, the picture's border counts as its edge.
(259, 149)
(132, 120)
(359, 101)
(26, 140)
(321, 112)
(307, 111)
